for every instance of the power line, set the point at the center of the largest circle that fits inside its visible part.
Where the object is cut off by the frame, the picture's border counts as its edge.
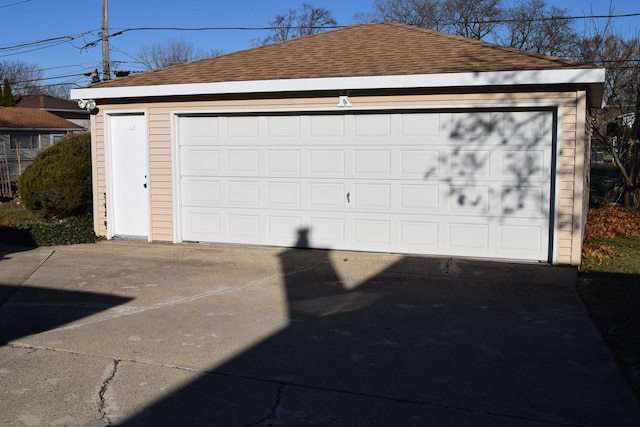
(14, 4)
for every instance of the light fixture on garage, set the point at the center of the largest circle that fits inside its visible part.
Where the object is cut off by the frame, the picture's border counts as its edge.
(88, 104)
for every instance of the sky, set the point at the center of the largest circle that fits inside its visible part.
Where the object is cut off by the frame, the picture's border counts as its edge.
(72, 26)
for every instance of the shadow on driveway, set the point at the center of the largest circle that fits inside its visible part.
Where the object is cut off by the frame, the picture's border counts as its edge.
(425, 342)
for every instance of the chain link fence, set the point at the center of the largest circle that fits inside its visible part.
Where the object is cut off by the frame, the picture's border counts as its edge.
(606, 182)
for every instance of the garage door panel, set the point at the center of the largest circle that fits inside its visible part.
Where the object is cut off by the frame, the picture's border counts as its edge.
(467, 238)
(470, 163)
(372, 162)
(201, 224)
(372, 126)
(420, 235)
(283, 127)
(419, 197)
(288, 162)
(327, 195)
(525, 165)
(327, 126)
(327, 231)
(244, 228)
(284, 194)
(467, 126)
(531, 201)
(467, 183)
(245, 128)
(198, 130)
(324, 162)
(469, 199)
(419, 164)
(420, 125)
(284, 229)
(243, 194)
(521, 239)
(371, 196)
(243, 161)
(372, 233)
(201, 192)
(199, 160)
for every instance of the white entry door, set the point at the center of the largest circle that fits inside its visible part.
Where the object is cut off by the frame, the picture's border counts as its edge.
(128, 213)
(465, 183)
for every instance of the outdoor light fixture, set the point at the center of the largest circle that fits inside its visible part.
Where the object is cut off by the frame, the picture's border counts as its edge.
(88, 104)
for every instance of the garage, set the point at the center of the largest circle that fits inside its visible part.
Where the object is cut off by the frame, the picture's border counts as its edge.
(463, 183)
(342, 141)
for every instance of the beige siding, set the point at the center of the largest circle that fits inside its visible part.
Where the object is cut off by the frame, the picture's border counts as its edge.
(570, 189)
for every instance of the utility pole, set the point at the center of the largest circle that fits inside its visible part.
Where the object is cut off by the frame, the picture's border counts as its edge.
(106, 67)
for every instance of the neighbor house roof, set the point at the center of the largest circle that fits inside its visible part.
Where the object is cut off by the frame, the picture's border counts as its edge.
(46, 102)
(357, 52)
(31, 118)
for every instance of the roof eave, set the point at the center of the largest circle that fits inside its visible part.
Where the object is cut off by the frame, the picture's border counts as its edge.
(591, 78)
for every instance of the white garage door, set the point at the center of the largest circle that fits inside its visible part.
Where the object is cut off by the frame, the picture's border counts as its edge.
(465, 183)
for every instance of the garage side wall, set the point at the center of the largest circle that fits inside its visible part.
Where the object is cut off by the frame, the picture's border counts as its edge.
(571, 134)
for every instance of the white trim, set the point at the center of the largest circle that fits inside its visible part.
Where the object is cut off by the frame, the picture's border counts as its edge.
(589, 76)
(175, 177)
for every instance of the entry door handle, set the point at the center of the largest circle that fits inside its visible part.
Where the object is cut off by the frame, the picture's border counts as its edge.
(348, 197)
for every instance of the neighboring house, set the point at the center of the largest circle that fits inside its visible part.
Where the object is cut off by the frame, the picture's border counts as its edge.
(375, 137)
(23, 133)
(64, 108)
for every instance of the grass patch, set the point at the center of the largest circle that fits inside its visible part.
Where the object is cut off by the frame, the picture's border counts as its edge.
(609, 286)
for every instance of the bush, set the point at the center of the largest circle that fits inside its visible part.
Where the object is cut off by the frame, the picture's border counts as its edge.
(58, 182)
(65, 231)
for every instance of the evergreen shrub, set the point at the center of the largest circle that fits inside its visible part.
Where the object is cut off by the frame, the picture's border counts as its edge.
(58, 182)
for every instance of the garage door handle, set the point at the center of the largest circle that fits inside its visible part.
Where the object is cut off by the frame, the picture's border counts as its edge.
(348, 195)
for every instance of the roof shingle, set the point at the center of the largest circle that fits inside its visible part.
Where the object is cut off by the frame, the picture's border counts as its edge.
(384, 49)
(32, 118)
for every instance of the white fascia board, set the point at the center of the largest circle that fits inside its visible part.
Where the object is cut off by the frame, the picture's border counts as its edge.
(591, 76)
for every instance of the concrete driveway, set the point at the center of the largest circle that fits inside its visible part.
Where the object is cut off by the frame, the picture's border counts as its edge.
(122, 333)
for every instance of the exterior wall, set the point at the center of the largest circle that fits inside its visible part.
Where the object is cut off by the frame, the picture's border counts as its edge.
(571, 135)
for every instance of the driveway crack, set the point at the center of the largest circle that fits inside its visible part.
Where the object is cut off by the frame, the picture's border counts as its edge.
(272, 417)
(108, 377)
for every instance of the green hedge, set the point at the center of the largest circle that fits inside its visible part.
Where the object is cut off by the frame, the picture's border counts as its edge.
(63, 231)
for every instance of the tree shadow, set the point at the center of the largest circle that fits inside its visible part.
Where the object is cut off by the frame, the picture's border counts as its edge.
(30, 310)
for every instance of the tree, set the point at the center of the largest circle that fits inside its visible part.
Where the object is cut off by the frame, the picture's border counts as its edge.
(616, 128)
(534, 26)
(172, 52)
(419, 13)
(305, 21)
(474, 19)
(477, 19)
(7, 96)
(23, 77)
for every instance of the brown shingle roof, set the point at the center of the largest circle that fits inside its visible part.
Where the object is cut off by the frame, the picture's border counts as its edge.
(46, 102)
(361, 50)
(31, 118)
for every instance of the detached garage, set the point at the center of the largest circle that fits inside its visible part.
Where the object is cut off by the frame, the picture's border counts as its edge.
(376, 137)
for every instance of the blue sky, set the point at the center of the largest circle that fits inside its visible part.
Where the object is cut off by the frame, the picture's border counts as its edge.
(27, 21)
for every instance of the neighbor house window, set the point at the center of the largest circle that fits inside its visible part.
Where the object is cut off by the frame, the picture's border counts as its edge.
(25, 141)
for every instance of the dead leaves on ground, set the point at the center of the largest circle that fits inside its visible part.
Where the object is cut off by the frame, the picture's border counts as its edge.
(608, 223)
